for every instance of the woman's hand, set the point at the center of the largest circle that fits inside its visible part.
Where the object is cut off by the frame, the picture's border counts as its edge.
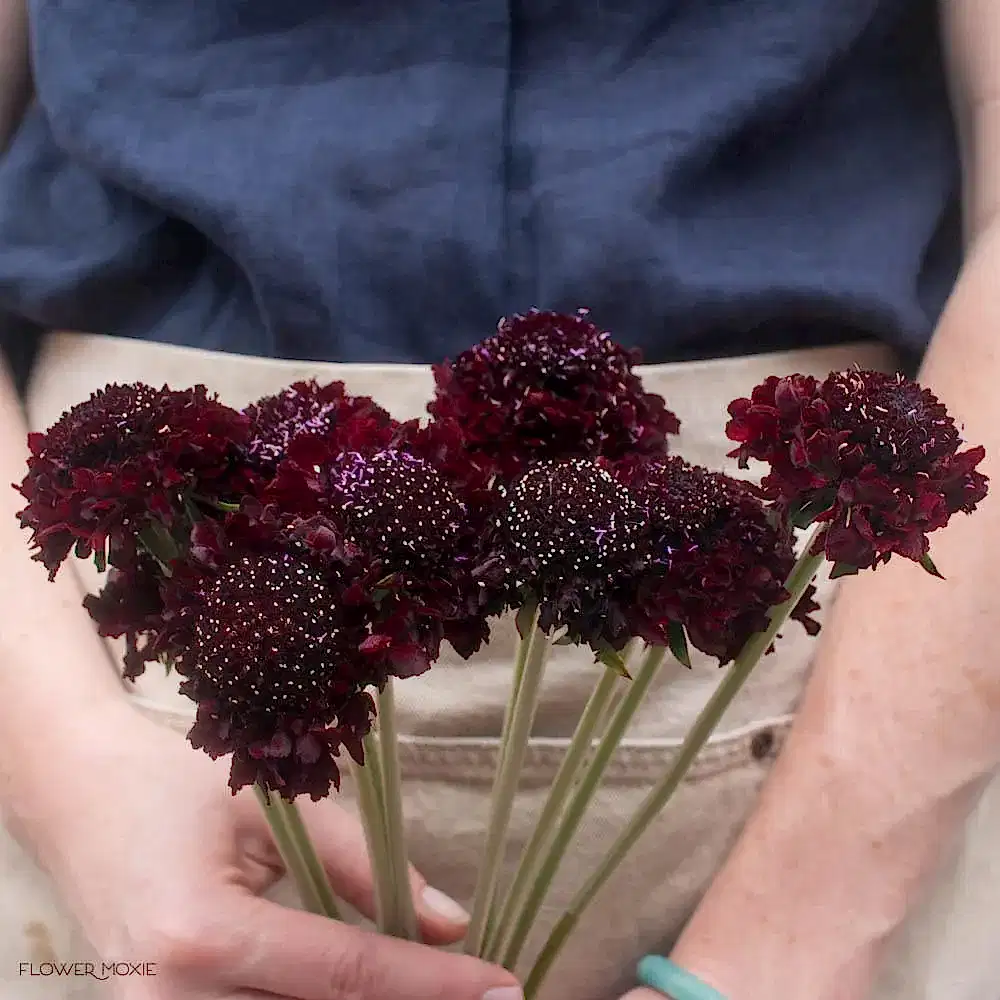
(163, 865)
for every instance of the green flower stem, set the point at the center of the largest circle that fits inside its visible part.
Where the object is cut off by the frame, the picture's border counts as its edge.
(505, 783)
(368, 781)
(297, 853)
(562, 786)
(304, 845)
(373, 767)
(528, 614)
(576, 809)
(802, 574)
(404, 916)
(613, 702)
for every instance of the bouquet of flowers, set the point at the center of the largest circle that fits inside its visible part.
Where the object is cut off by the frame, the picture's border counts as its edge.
(293, 562)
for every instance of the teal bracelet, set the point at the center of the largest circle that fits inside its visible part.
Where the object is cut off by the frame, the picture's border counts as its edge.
(672, 981)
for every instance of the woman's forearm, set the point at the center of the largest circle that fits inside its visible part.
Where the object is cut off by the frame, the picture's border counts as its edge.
(898, 728)
(55, 677)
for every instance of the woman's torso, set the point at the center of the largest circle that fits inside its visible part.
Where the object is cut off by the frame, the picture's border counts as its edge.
(378, 182)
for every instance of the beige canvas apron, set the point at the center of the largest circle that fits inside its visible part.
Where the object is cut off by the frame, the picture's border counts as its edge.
(452, 715)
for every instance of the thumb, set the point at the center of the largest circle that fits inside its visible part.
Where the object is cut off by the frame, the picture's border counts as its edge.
(300, 955)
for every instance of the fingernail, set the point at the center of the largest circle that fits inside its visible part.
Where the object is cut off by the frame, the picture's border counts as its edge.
(504, 993)
(445, 907)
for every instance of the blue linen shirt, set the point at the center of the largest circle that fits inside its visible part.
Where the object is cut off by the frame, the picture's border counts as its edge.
(380, 180)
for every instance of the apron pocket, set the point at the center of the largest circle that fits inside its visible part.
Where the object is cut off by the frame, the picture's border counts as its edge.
(447, 785)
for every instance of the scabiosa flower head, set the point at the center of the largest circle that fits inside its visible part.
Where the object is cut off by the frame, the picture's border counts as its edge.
(472, 475)
(305, 481)
(873, 456)
(570, 538)
(127, 454)
(548, 385)
(271, 652)
(130, 605)
(413, 508)
(309, 409)
(398, 507)
(717, 563)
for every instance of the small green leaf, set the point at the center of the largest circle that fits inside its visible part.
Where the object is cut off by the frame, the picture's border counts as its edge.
(615, 662)
(928, 564)
(842, 569)
(526, 618)
(798, 517)
(100, 559)
(803, 515)
(678, 643)
(228, 508)
(379, 594)
(160, 544)
(386, 580)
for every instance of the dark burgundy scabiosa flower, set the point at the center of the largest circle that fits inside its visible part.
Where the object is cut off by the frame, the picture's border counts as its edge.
(402, 511)
(548, 385)
(128, 454)
(399, 508)
(571, 538)
(271, 652)
(309, 409)
(305, 482)
(874, 457)
(130, 605)
(470, 474)
(717, 560)
(413, 503)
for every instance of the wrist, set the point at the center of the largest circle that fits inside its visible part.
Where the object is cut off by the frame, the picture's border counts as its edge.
(739, 971)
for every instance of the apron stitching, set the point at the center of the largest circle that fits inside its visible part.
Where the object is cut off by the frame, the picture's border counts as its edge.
(632, 764)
